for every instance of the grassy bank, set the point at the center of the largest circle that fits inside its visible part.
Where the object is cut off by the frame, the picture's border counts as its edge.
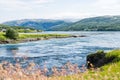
(25, 36)
(108, 71)
(30, 37)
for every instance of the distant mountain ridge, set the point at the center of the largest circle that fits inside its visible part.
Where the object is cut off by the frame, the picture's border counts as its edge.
(101, 23)
(43, 24)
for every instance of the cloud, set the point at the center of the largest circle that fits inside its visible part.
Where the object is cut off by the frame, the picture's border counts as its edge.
(92, 9)
(41, 1)
(18, 9)
(107, 4)
(11, 2)
(70, 15)
(103, 7)
(14, 4)
(24, 1)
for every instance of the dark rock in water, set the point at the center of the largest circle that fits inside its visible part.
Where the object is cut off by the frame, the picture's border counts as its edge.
(98, 59)
(78, 36)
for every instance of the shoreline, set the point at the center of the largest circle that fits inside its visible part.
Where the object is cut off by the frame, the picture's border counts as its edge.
(10, 41)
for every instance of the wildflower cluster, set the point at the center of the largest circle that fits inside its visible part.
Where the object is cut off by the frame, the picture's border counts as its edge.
(9, 71)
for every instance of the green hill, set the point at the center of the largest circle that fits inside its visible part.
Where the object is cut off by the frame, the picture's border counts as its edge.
(40, 24)
(101, 23)
(104, 23)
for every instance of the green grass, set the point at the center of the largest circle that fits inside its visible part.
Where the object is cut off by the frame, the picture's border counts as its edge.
(114, 54)
(33, 36)
(25, 36)
(110, 71)
(2, 37)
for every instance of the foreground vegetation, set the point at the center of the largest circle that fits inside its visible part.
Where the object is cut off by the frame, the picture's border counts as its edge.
(109, 71)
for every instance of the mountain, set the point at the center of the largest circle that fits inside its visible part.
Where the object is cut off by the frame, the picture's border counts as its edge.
(42, 24)
(60, 27)
(102, 23)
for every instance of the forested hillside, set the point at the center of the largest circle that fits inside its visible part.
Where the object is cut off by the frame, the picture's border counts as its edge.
(102, 23)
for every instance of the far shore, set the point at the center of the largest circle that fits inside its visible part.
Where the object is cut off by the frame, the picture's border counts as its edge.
(37, 37)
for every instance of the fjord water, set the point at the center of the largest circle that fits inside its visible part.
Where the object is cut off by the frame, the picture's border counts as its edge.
(56, 52)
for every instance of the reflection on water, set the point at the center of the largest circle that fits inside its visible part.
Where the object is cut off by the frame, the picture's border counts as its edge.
(56, 52)
(12, 51)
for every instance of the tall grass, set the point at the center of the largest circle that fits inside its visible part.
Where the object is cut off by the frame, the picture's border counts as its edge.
(15, 72)
(24, 36)
(11, 71)
(30, 37)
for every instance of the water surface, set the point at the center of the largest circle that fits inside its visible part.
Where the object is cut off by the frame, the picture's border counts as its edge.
(56, 52)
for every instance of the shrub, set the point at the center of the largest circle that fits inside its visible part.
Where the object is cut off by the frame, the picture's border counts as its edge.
(12, 34)
(2, 38)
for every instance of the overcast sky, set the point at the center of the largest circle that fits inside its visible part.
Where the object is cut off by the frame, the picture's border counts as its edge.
(56, 9)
